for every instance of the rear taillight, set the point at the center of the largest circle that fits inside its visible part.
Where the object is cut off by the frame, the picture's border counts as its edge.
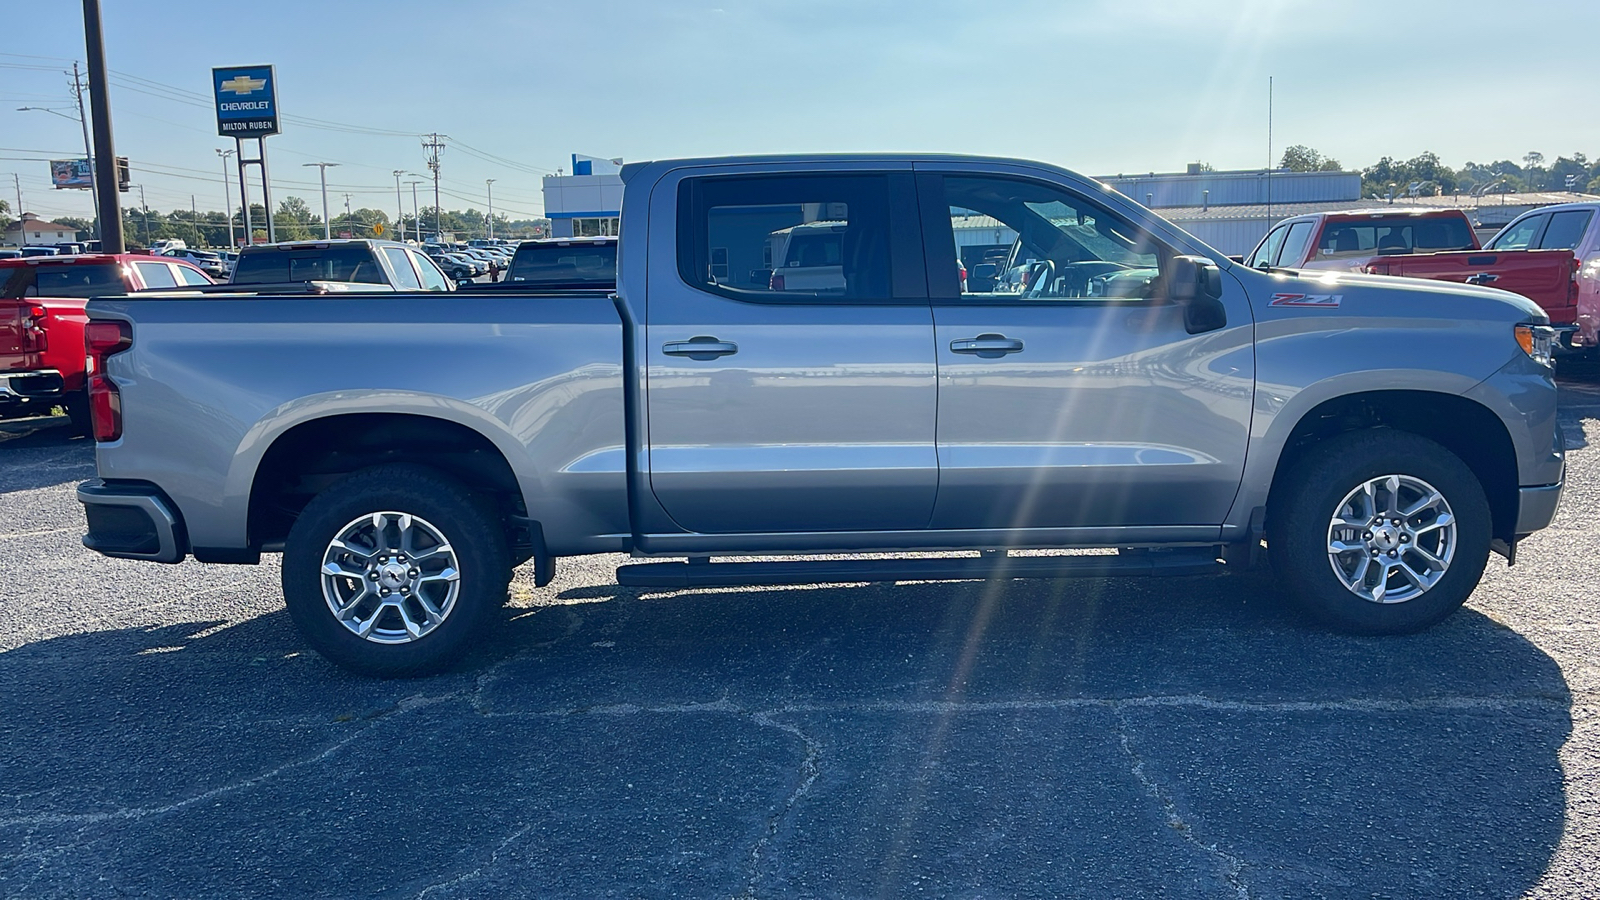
(35, 328)
(775, 283)
(102, 340)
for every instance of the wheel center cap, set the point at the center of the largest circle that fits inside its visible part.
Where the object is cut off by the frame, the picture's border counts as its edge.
(1386, 538)
(393, 576)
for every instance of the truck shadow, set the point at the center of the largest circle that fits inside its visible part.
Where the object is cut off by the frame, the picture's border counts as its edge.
(42, 452)
(1027, 739)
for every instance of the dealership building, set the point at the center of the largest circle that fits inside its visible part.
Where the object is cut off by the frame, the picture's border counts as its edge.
(587, 203)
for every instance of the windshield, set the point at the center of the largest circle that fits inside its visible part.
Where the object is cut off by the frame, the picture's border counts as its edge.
(267, 266)
(565, 263)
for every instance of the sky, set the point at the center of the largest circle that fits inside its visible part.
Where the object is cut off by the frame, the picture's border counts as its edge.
(1102, 87)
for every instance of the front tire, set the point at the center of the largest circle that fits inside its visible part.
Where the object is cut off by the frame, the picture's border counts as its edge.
(1379, 532)
(394, 570)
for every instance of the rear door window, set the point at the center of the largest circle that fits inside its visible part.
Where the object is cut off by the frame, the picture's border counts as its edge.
(193, 277)
(1267, 251)
(156, 275)
(432, 278)
(1566, 229)
(788, 238)
(1521, 234)
(405, 277)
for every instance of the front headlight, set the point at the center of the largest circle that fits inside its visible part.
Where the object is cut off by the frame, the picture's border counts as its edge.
(1538, 341)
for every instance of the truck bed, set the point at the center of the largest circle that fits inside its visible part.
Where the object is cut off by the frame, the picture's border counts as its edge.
(1543, 276)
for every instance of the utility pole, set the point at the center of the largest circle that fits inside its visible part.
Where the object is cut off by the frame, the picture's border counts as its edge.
(227, 197)
(416, 211)
(146, 207)
(489, 184)
(88, 146)
(399, 205)
(433, 145)
(349, 223)
(327, 226)
(105, 155)
(17, 182)
(194, 219)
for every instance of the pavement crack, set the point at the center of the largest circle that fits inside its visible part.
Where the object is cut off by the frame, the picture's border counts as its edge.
(139, 812)
(1232, 866)
(810, 768)
(463, 878)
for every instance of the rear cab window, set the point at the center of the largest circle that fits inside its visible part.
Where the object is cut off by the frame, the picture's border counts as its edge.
(270, 265)
(1381, 235)
(565, 262)
(63, 281)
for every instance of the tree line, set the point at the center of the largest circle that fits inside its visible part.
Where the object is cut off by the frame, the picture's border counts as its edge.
(294, 221)
(1432, 177)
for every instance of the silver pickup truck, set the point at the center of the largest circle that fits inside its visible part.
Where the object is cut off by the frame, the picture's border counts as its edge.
(1140, 392)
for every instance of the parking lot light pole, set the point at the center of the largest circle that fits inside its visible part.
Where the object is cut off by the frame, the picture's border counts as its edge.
(489, 184)
(416, 211)
(227, 196)
(399, 204)
(327, 226)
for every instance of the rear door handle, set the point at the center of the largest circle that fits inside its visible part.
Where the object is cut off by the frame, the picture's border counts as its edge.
(988, 346)
(701, 347)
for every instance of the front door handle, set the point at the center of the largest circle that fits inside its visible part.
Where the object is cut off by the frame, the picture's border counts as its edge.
(988, 346)
(701, 347)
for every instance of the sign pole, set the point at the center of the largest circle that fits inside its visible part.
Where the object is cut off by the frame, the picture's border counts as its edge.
(244, 192)
(266, 189)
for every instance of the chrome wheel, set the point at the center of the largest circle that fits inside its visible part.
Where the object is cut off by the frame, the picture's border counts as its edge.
(390, 577)
(1391, 539)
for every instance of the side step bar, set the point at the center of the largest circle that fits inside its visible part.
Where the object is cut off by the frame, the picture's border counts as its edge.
(704, 573)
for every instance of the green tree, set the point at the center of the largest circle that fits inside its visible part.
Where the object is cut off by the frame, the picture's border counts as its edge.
(1300, 158)
(5, 209)
(294, 222)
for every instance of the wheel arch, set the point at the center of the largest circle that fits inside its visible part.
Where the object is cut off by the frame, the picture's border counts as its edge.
(288, 457)
(1465, 427)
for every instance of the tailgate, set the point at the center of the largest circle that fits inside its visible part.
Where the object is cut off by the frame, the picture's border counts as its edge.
(1543, 276)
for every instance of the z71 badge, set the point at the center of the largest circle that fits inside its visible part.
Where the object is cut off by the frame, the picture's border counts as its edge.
(1320, 301)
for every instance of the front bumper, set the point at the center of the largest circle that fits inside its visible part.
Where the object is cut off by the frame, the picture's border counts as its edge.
(1536, 508)
(132, 520)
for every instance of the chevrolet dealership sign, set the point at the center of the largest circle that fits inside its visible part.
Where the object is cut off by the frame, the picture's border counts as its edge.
(247, 101)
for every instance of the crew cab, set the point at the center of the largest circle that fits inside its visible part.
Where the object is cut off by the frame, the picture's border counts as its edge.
(1379, 437)
(42, 303)
(1348, 241)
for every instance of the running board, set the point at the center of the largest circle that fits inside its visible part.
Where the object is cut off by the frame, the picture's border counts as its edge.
(704, 573)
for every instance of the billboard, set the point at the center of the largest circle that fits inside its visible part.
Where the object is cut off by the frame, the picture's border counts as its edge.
(247, 101)
(74, 173)
(70, 173)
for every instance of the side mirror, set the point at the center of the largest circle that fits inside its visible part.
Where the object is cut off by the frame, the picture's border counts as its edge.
(1195, 283)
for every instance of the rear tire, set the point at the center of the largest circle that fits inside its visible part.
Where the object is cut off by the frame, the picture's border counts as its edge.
(1334, 545)
(394, 570)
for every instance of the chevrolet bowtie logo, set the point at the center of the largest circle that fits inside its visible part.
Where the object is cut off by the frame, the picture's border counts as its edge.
(243, 84)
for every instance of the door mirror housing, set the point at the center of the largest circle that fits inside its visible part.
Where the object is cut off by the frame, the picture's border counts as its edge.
(1195, 283)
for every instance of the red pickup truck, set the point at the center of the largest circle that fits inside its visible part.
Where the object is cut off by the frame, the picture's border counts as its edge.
(1550, 255)
(41, 322)
(1347, 241)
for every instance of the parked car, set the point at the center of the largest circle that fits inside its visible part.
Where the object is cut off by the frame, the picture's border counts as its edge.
(6, 253)
(39, 251)
(161, 246)
(360, 264)
(42, 315)
(1347, 241)
(206, 260)
(1383, 435)
(458, 267)
(565, 261)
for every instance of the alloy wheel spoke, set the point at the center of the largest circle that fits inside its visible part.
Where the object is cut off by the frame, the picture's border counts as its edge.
(413, 627)
(446, 574)
(1425, 503)
(1392, 485)
(340, 570)
(1345, 547)
(1443, 520)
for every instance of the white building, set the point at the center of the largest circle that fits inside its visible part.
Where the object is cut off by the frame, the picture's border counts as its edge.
(32, 230)
(587, 203)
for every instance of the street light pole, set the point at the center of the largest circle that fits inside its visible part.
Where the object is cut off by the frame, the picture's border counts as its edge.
(327, 226)
(416, 211)
(399, 205)
(227, 197)
(488, 183)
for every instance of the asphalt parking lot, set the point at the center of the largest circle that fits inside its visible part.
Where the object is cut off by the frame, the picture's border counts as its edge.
(164, 733)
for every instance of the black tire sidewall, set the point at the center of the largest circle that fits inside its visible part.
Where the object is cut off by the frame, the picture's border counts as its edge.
(467, 523)
(1297, 528)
